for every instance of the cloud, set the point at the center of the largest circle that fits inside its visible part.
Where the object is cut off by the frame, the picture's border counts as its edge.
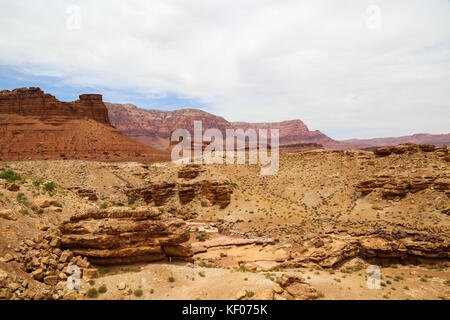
(252, 60)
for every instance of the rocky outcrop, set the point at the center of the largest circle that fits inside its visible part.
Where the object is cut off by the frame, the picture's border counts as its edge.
(85, 193)
(381, 248)
(393, 186)
(406, 148)
(122, 235)
(44, 270)
(190, 186)
(290, 286)
(216, 192)
(33, 102)
(190, 171)
(36, 125)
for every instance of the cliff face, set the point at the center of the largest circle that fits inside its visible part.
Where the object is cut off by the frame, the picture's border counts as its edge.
(33, 102)
(153, 127)
(420, 138)
(120, 235)
(36, 125)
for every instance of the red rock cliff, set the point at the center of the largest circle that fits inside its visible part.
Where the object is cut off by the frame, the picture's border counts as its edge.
(35, 103)
(36, 125)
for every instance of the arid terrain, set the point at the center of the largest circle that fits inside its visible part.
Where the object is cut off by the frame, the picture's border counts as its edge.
(87, 212)
(159, 230)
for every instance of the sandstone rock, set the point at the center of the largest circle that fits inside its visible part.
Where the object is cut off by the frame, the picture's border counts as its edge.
(8, 257)
(38, 274)
(297, 287)
(66, 255)
(127, 291)
(121, 286)
(277, 288)
(384, 151)
(44, 202)
(190, 171)
(51, 280)
(90, 273)
(13, 286)
(87, 193)
(242, 293)
(122, 235)
(7, 214)
(13, 187)
(51, 129)
(427, 147)
(266, 294)
(217, 192)
(71, 295)
(393, 186)
(177, 251)
(5, 293)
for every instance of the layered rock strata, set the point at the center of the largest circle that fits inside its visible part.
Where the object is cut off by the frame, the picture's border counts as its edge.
(123, 235)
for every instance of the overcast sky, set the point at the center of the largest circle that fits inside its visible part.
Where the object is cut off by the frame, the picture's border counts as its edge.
(348, 68)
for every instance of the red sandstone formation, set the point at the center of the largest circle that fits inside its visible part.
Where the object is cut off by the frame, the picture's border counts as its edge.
(154, 127)
(121, 235)
(421, 138)
(36, 125)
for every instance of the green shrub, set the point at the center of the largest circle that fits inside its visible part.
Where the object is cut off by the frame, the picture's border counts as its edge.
(10, 176)
(102, 289)
(171, 279)
(202, 236)
(103, 271)
(50, 186)
(92, 293)
(37, 182)
(91, 282)
(104, 205)
(138, 292)
(132, 199)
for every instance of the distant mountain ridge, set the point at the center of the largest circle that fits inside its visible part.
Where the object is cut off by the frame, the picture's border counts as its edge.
(153, 127)
(419, 138)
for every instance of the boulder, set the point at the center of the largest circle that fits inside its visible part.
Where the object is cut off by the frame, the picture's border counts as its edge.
(122, 235)
(7, 214)
(297, 287)
(44, 202)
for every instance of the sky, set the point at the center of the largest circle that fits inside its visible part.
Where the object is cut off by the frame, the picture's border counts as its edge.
(352, 69)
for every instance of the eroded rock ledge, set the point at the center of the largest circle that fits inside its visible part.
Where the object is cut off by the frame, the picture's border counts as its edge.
(209, 192)
(122, 235)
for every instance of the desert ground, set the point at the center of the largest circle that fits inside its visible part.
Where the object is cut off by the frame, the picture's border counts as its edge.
(308, 232)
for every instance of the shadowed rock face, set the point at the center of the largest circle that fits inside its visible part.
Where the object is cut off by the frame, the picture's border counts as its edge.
(121, 235)
(398, 185)
(217, 192)
(189, 187)
(36, 125)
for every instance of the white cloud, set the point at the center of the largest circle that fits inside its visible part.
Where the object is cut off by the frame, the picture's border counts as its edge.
(253, 60)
